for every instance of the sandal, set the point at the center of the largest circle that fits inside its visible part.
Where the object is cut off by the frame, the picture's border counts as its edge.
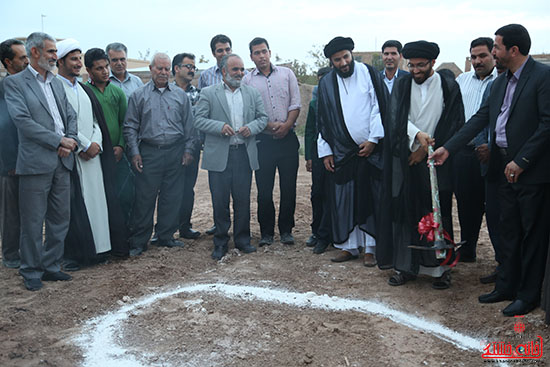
(400, 279)
(443, 282)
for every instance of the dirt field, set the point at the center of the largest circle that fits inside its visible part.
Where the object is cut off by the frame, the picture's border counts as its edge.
(194, 328)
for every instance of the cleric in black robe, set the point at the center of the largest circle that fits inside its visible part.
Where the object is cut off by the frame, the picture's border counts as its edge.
(351, 109)
(407, 191)
(79, 243)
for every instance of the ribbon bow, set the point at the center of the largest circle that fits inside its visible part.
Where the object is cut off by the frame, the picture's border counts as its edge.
(427, 227)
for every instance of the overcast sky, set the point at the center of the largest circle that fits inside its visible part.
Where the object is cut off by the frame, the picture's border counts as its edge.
(291, 27)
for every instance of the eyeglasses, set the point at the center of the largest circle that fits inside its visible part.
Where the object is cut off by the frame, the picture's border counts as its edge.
(420, 65)
(189, 66)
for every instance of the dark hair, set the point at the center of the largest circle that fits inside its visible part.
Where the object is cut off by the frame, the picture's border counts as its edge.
(5, 50)
(323, 71)
(116, 46)
(482, 41)
(257, 41)
(179, 58)
(219, 38)
(94, 54)
(515, 35)
(393, 43)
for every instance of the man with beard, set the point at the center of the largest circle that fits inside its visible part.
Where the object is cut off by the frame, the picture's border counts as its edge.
(277, 144)
(391, 56)
(160, 138)
(351, 105)
(425, 105)
(47, 130)
(469, 186)
(14, 58)
(518, 115)
(231, 115)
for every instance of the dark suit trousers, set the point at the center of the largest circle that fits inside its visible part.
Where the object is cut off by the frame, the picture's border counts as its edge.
(189, 179)
(524, 235)
(469, 188)
(234, 181)
(161, 176)
(44, 197)
(273, 154)
(321, 224)
(492, 215)
(9, 217)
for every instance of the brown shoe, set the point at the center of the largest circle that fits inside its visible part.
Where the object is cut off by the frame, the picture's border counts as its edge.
(369, 261)
(343, 256)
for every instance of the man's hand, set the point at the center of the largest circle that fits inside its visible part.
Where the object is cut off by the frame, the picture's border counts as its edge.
(424, 140)
(227, 130)
(187, 159)
(328, 161)
(483, 153)
(417, 156)
(93, 150)
(439, 156)
(68, 143)
(281, 130)
(244, 131)
(118, 151)
(512, 172)
(309, 165)
(137, 163)
(366, 148)
(271, 127)
(84, 155)
(63, 152)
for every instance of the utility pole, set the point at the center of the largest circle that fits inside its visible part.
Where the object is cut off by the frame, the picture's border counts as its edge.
(43, 16)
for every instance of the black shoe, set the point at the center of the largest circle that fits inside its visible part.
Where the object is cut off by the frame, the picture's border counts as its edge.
(171, 243)
(155, 239)
(57, 276)
(70, 265)
(488, 279)
(135, 252)
(189, 233)
(320, 247)
(287, 238)
(266, 240)
(246, 248)
(519, 307)
(312, 241)
(219, 252)
(494, 297)
(33, 284)
(210, 231)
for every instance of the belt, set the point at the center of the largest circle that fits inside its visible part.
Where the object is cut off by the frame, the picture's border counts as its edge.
(235, 146)
(162, 146)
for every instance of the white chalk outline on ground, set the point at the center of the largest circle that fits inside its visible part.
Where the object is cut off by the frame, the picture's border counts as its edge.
(99, 337)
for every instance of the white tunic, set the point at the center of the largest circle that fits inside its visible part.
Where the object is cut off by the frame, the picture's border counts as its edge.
(90, 172)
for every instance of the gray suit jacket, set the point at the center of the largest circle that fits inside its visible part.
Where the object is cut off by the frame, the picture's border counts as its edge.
(213, 112)
(28, 108)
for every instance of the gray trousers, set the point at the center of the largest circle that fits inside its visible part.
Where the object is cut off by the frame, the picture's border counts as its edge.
(161, 176)
(234, 181)
(43, 198)
(9, 217)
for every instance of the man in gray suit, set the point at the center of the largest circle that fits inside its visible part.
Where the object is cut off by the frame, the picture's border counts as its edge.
(230, 114)
(46, 125)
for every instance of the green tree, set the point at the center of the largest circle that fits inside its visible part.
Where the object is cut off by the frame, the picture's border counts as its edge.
(318, 56)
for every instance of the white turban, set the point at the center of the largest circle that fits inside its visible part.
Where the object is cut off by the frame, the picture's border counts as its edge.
(67, 46)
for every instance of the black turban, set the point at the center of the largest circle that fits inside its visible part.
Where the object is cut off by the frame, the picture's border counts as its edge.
(338, 44)
(421, 50)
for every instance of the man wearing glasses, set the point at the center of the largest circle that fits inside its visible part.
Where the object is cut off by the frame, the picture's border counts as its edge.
(424, 106)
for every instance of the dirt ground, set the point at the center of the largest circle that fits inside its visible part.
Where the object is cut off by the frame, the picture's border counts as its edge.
(38, 328)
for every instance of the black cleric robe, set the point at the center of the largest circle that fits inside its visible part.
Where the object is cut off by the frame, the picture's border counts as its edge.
(79, 243)
(406, 193)
(355, 186)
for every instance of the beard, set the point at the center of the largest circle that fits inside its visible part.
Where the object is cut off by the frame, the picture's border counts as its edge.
(348, 73)
(44, 64)
(233, 82)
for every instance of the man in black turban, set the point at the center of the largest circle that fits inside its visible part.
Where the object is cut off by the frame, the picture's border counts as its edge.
(424, 105)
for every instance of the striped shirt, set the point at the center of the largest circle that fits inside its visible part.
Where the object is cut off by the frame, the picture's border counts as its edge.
(472, 89)
(210, 77)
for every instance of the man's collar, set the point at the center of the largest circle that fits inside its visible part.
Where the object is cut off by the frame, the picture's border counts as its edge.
(126, 76)
(272, 69)
(227, 88)
(65, 80)
(36, 74)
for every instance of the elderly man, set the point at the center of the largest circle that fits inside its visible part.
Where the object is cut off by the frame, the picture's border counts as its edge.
(14, 58)
(231, 115)
(351, 105)
(425, 105)
(518, 115)
(120, 77)
(160, 139)
(277, 144)
(47, 129)
(391, 57)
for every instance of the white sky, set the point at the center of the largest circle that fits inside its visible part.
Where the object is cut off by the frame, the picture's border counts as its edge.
(291, 27)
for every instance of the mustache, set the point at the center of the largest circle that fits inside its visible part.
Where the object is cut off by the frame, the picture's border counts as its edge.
(191, 73)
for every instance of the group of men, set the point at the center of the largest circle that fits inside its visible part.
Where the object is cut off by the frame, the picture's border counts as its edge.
(368, 138)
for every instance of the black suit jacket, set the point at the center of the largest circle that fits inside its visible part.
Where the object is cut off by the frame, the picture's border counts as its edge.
(527, 129)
